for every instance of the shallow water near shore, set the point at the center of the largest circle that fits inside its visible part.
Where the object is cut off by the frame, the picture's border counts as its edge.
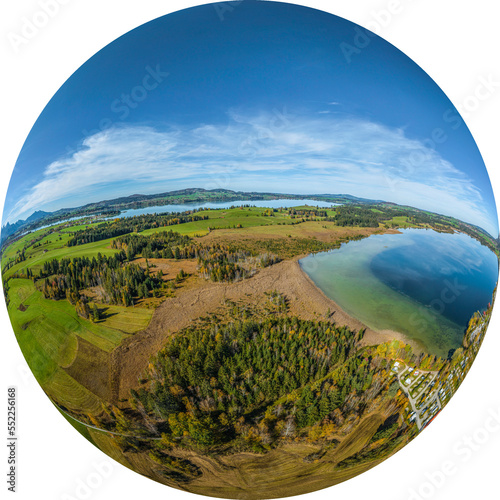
(421, 283)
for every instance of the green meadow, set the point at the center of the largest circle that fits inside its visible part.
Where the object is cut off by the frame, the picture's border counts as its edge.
(49, 333)
(55, 249)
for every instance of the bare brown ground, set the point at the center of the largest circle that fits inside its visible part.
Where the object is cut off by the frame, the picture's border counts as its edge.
(200, 297)
(280, 472)
(169, 267)
(321, 230)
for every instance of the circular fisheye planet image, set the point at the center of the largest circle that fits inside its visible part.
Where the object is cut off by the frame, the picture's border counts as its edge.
(250, 250)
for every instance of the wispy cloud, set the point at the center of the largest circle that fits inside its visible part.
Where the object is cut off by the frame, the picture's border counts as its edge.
(325, 154)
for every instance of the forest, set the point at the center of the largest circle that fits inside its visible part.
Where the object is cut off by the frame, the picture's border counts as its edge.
(119, 283)
(355, 216)
(210, 379)
(253, 384)
(162, 245)
(307, 212)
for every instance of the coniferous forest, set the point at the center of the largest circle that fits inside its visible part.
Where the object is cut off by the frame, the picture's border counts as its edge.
(210, 380)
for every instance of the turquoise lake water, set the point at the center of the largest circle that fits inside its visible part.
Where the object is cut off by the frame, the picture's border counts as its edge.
(421, 283)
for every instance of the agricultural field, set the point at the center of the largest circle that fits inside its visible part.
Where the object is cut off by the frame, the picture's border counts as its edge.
(50, 335)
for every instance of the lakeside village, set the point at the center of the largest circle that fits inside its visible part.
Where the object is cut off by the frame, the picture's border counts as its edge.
(428, 392)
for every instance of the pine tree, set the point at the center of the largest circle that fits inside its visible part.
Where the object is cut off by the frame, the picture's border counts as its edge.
(96, 315)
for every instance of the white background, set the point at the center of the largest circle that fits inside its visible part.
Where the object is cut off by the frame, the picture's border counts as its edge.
(455, 42)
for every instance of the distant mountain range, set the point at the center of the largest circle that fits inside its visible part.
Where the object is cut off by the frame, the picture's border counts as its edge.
(10, 229)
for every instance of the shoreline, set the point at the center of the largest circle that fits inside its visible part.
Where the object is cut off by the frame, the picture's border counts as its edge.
(371, 336)
(200, 298)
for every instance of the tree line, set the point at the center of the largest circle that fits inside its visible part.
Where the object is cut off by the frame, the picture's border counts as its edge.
(161, 245)
(120, 283)
(307, 212)
(138, 223)
(349, 215)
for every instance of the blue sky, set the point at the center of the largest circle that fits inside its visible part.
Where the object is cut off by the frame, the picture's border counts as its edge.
(264, 100)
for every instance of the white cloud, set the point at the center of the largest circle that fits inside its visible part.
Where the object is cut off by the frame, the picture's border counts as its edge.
(265, 152)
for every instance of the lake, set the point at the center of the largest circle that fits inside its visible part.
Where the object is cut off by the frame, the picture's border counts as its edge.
(159, 209)
(421, 283)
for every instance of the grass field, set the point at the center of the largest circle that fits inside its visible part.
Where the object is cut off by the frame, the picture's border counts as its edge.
(35, 257)
(48, 333)
(74, 229)
(67, 354)
(68, 392)
(54, 240)
(231, 218)
(402, 222)
(10, 252)
(126, 319)
(52, 318)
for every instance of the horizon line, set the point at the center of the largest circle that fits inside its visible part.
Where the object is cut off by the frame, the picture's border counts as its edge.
(245, 193)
